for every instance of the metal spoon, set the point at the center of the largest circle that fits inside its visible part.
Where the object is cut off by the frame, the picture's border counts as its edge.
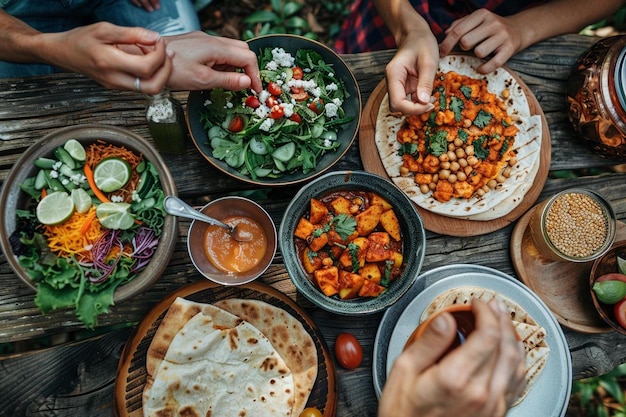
(177, 207)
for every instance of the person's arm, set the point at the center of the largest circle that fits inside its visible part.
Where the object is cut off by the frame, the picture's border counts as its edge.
(202, 62)
(412, 70)
(111, 55)
(481, 378)
(497, 38)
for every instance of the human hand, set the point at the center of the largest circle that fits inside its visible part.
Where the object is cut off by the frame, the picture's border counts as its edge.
(112, 55)
(481, 378)
(149, 5)
(202, 62)
(411, 73)
(488, 34)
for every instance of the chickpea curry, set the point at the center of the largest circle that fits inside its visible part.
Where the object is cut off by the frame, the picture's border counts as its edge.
(464, 146)
(350, 244)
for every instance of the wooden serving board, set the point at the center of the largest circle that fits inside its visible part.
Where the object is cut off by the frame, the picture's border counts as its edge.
(451, 225)
(132, 374)
(563, 286)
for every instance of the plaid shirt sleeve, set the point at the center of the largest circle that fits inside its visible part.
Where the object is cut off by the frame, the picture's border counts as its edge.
(364, 30)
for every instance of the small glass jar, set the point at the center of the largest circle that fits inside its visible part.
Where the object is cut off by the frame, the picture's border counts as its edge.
(166, 123)
(575, 225)
(596, 97)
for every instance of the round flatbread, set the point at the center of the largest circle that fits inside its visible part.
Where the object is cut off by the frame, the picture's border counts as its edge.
(288, 336)
(230, 372)
(495, 203)
(533, 336)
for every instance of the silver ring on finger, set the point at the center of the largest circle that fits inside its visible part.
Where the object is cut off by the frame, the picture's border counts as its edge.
(138, 85)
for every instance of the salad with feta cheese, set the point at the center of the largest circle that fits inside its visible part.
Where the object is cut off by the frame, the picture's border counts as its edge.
(284, 128)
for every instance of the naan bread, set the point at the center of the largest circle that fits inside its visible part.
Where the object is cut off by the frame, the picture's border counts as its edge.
(533, 336)
(495, 203)
(288, 336)
(229, 372)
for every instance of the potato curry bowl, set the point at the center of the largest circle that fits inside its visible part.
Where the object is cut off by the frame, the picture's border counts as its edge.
(352, 242)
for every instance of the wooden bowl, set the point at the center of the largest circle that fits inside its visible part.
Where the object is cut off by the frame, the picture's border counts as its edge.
(601, 266)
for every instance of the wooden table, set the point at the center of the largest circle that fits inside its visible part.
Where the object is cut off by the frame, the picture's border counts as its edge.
(77, 378)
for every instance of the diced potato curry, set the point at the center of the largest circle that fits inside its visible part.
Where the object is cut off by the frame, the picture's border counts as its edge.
(350, 244)
(464, 146)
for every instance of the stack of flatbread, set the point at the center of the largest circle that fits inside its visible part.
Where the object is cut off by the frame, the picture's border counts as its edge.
(532, 334)
(496, 203)
(235, 358)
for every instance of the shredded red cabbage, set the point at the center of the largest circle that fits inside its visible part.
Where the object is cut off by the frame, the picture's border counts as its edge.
(101, 251)
(145, 244)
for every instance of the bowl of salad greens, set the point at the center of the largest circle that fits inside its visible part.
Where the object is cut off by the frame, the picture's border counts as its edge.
(84, 223)
(300, 124)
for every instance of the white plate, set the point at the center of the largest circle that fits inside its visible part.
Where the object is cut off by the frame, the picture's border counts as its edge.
(550, 394)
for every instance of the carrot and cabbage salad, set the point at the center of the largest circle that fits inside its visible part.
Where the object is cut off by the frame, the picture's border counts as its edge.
(81, 261)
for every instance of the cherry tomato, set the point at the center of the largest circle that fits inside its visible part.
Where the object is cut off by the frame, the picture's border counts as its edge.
(276, 112)
(271, 102)
(310, 412)
(274, 89)
(317, 106)
(348, 351)
(297, 73)
(296, 118)
(613, 276)
(299, 94)
(236, 124)
(252, 101)
(620, 312)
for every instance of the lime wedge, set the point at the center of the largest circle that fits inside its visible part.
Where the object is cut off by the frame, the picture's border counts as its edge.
(610, 292)
(111, 174)
(621, 265)
(115, 216)
(55, 208)
(82, 200)
(75, 149)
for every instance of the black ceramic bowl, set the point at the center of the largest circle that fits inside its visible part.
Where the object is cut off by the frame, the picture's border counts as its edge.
(413, 235)
(347, 134)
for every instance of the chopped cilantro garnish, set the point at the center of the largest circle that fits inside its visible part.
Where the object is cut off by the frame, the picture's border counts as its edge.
(463, 135)
(480, 149)
(437, 144)
(344, 225)
(482, 118)
(442, 97)
(384, 281)
(408, 148)
(466, 91)
(505, 148)
(353, 248)
(457, 106)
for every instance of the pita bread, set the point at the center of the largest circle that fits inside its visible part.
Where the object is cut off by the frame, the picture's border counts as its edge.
(230, 372)
(495, 203)
(288, 336)
(532, 335)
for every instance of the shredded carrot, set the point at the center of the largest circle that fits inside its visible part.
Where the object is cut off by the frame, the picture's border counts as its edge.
(99, 194)
(75, 236)
(44, 193)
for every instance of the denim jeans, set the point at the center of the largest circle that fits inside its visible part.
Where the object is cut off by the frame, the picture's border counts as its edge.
(173, 18)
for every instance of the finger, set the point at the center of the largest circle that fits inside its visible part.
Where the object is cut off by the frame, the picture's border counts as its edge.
(496, 61)
(433, 343)
(126, 35)
(143, 66)
(155, 84)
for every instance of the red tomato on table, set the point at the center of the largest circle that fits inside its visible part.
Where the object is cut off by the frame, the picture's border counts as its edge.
(620, 312)
(348, 351)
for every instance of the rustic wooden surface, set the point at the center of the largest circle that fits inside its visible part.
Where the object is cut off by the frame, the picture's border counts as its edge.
(77, 378)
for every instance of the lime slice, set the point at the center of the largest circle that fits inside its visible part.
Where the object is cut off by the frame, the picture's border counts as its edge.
(75, 149)
(621, 265)
(82, 200)
(111, 174)
(610, 292)
(55, 208)
(115, 216)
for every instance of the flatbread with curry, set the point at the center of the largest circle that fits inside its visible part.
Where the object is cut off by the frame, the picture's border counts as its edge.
(475, 155)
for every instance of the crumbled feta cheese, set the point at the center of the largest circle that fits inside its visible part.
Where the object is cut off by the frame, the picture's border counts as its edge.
(332, 87)
(117, 199)
(264, 95)
(282, 58)
(331, 109)
(287, 109)
(331, 75)
(57, 165)
(207, 102)
(271, 66)
(65, 181)
(135, 196)
(338, 102)
(229, 105)
(316, 92)
(267, 124)
(54, 174)
(327, 143)
(262, 111)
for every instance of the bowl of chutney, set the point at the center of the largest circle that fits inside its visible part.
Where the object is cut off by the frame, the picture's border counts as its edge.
(221, 258)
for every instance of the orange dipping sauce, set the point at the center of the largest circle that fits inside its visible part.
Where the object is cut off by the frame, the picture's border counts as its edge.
(229, 255)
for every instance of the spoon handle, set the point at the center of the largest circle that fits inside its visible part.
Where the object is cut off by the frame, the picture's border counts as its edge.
(177, 207)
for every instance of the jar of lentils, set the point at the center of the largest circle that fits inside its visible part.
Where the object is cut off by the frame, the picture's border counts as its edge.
(575, 225)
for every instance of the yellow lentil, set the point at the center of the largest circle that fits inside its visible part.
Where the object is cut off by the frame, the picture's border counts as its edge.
(576, 225)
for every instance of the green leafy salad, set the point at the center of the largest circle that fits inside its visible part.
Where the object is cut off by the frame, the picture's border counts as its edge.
(284, 128)
(93, 222)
